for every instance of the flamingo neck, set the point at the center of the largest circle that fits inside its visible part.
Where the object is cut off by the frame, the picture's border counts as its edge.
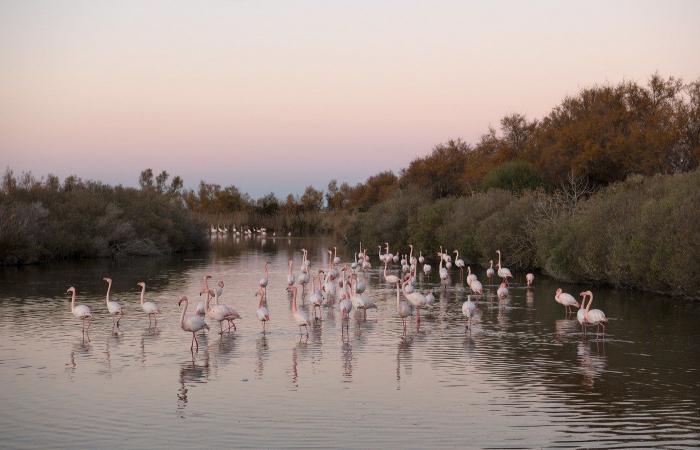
(109, 288)
(590, 300)
(499, 260)
(72, 301)
(262, 299)
(398, 299)
(143, 291)
(182, 316)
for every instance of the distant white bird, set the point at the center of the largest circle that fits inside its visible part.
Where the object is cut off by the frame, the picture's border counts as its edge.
(502, 291)
(459, 263)
(81, 312)
(529, 279)
(391, 279)
(150, 308)
(476, 287)
(490, 272)
(503, 272)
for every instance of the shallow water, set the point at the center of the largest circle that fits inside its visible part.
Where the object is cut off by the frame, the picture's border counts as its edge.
(525, 376)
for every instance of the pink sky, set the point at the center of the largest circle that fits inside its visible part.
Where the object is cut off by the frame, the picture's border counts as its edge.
(272, 96)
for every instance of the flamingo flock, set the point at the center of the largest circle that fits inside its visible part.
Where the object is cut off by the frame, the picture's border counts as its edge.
(343, 286)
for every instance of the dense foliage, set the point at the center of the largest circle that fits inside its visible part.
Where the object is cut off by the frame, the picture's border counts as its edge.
(44, 220)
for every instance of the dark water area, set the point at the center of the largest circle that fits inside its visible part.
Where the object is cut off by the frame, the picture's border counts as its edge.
(526, 376)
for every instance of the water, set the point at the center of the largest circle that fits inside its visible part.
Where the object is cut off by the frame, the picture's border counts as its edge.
(525, 377)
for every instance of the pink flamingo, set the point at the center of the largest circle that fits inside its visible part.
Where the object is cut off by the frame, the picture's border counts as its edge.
(593, 317)
(115, 308)
(81, 312)
(529, 279)
(262, 311)
(150, 308)
(300, 317)
(565, 299)
(191, 323)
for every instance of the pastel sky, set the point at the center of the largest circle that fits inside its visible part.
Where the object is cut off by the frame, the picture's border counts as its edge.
(275, 95)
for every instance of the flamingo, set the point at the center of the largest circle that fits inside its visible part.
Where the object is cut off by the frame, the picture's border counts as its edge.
(490, 271)
(502, 291)
(443, 272)
(150, 308)
(468, 310)
(476, 287)
(336, 259)
(412, 259)
(565, 299)
(115, 308)
(416, 299)
(459, 263)
(503, 272)
(426, 268)
(594, 317)
(191, 323)
(221, 312)
(470, 276)
(201, 309)
(403, 309)
(391, 279)
(290, 277)
(316, 295)
(421, 258)
(81, 312)
(345, 304)
(359, 301)
(529, 279)
(263, 281)
(300, 317)
(262, 311)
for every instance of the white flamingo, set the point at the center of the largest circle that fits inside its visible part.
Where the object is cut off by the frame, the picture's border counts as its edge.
(391, 279)
(459, 263)
(476, 287)
(415, 298)
(262, 312)
(565, 299)
(263, 280)
(300, 317)
(81, 312)
(221, 312)
(502, 291)
(421, 258)
(403, 309)
(443, 271)
(503, 272)
(200, 308)
(150, 308)
(470, 276)
(359, 301)
(191, 323)
(468, 310)
(116, 310)
(529, 279)
(490, 272)
(594, 317)
(316, 296)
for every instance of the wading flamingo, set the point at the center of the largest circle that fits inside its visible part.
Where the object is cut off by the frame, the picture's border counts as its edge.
(300, 317)
(468, 310)
(221, 312)
(81, 312)
(502, 291)
(403, 309)
(529, 279)
(262, 311)
(594, 317)
(191, 323)
(391, 279)
(150, 308)
(201, 308)
(415, 298)
(263, 281)
(566, 300)
(470, 276)
(115, 308)
(316, 296)
(459, 263)
(490, 272)
(503, 272)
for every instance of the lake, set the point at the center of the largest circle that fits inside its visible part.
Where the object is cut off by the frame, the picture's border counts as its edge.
(525, 376)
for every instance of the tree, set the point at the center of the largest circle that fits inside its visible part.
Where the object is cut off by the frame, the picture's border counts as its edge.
(515, 176)
(161, 181)
(312, 199)
(146, 179)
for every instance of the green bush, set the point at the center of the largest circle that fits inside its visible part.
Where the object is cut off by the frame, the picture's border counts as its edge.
(514, 176)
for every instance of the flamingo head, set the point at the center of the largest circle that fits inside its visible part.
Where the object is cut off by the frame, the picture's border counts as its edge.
(206, 326)
(182, 300)
(108, 280)
(498, 251)
(221, 283)
(70, 290)
(206, 277)
(141, 284)
(559, 291)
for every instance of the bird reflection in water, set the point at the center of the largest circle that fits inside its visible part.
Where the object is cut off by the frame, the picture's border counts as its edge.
(346, 354)
(404, 354)
(149, 334)
(79, 350)
(190, 374)
(592, 365)
(262, 353)
(564, 328)
(221, 351)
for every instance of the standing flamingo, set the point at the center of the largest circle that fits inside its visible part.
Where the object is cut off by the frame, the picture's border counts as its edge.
(316, 296)
(415, 298)
(403, 309)
(115, 308)
(263, 280)
(81, 312)
(468, 310)
(503, 272)
(201, 309)
(262, 311)
(221, 312)
(459, 263)
(300, 317)
(594, 317)
(566, 300)
(150, 308)
(529, 279)
(502, 291)
(391, 279)
(192, 323)
(470, 276)
(490, 271)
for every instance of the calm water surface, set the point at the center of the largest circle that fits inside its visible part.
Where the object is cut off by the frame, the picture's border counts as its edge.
(524, 377)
